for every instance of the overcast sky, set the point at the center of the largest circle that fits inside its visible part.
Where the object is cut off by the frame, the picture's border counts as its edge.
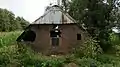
(29, 9)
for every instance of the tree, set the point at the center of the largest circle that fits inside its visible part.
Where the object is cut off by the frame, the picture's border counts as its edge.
(8, 22)
(4, 20)
(97, 16)
(22, 22)
(65, 5)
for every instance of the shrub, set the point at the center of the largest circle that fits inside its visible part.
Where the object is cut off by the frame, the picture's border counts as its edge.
(24, 56)
(115, 41)
(8, 55)
(105, 58)
(89, 49)
(87, 62)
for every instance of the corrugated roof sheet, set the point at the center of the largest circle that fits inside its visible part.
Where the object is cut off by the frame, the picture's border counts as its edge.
(55, 15)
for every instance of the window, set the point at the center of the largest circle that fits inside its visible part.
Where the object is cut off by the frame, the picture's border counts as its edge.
(55, 34)
(78, 36)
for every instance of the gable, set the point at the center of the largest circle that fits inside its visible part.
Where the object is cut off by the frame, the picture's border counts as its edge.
(55, 16)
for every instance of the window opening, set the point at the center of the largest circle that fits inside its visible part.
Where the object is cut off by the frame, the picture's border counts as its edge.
(29, 36)
(55, 34)
(78, 36)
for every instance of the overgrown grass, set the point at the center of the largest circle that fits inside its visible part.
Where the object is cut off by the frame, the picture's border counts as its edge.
(25, 57)
(8, 38)
(12, 56)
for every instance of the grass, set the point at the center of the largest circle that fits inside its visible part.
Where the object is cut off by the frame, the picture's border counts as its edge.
(8, 38)
(12, 56)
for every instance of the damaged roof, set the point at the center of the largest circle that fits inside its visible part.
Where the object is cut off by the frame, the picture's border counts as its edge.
(55, 15)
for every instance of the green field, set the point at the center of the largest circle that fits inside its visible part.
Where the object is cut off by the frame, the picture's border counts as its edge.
(12, 56)
(8, 38)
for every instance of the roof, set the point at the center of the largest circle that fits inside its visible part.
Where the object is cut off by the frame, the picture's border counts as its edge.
(55, 15)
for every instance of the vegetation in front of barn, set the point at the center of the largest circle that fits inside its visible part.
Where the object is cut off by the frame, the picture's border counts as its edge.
(90, 54)
(86, 12)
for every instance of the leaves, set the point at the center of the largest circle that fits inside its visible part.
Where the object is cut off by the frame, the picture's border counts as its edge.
(97, 16)
(8, 22)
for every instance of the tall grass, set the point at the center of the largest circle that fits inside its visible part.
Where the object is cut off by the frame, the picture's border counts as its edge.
(8, 38)
(12, 56)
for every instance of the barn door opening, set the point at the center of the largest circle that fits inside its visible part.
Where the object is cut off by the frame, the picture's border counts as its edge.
(55, 35)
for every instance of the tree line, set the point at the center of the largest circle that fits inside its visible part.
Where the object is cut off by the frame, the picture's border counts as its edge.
(8, 21)
(97, 16)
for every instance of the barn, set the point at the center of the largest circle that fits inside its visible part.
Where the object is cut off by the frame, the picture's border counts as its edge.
(54, 32)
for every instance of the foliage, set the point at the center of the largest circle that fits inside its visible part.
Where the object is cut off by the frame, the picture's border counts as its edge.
(65, 5)
(22, 22)
(115, 39)
(8, 39)
(97, 16)
(87, 62)
(104, 58)
(8, 22)
(19, 57)
(89, 49)
(13, 56)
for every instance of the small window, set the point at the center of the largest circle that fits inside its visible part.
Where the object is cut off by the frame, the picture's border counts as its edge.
(55, 33)
(78, 36)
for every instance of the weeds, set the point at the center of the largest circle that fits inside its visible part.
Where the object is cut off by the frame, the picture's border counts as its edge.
(88, 55)
(8, 38)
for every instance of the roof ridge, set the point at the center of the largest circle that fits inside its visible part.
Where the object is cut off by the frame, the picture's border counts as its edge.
(54, 8)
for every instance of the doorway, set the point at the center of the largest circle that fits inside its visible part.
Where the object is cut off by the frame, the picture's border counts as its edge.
(55, 35)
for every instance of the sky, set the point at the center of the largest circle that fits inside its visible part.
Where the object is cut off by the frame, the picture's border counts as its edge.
(28, 9)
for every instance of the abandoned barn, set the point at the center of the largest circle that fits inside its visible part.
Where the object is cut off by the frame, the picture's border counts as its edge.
(54, 32)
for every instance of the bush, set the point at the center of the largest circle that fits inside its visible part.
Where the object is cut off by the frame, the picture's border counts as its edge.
(106, 58)
(12, 55)
(115, 41)
(24, 56)
(89, 49)
(87, 62)
(8, 55)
